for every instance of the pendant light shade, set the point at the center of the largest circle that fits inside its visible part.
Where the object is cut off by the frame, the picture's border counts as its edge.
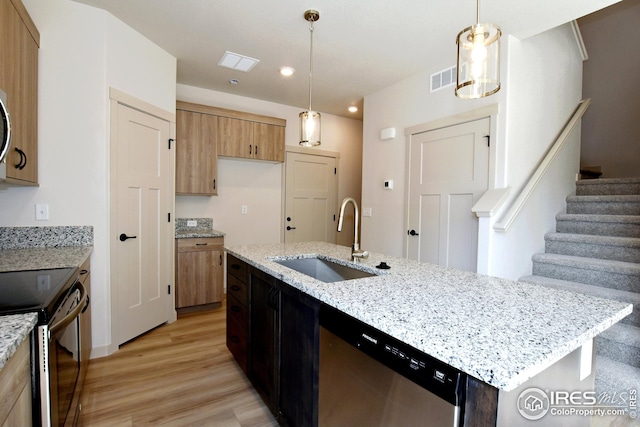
(310, 120)
(478, 60)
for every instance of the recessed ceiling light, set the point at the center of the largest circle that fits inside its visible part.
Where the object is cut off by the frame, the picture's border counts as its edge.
(238, 62)
(353, 109)
(287, 71)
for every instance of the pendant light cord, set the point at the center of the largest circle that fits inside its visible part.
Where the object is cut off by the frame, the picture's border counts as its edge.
(310, 61)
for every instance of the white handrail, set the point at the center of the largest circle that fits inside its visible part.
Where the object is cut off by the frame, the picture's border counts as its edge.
(526, 192)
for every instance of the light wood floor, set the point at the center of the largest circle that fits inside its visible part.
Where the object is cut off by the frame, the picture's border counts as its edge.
(180, 374)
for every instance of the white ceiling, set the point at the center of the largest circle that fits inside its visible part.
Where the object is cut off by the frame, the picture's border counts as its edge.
(360, 46)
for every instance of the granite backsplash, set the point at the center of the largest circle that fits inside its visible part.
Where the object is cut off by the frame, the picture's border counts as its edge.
(45, 237)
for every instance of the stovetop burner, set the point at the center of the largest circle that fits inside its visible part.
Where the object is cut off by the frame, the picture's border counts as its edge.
(34, 291)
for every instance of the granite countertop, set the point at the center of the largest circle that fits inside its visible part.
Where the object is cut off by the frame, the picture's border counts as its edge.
(197, 232)
(41, 258)
(196, 227)
(499, 331)
(13, 330)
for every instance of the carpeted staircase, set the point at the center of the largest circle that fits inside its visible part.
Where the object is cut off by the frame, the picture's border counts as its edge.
(596, 250)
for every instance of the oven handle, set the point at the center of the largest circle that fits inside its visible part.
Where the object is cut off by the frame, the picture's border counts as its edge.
(65, 321)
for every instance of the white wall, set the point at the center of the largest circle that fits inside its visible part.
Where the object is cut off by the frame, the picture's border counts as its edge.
(84, 51)
(541, 81)
(259, 184)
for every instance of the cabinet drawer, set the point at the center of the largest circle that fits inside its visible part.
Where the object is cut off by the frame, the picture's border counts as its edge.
(237, 268)
(237, 342)
(238, 312)
(237, 289)
(200, 244)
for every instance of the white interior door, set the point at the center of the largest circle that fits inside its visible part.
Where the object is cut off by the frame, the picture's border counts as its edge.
(449, 171)
(311, 191)
(142, 194)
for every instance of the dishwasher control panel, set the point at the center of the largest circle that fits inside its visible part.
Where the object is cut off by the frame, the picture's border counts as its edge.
(424, 370)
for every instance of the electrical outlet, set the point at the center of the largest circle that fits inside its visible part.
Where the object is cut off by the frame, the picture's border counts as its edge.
(245, 209)
(42, 212)
(366, 211)
(192, 223)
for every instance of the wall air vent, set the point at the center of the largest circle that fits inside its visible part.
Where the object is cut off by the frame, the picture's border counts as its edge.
(443, 79)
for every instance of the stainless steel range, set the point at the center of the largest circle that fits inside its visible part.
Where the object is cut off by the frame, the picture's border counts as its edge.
(59, 297)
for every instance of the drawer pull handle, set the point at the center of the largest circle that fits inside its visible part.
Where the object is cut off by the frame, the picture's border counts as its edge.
(235, 287)
(235, 339)
(201, 244)
(235, 266)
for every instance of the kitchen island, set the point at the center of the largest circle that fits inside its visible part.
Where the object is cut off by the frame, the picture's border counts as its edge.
(500, 332)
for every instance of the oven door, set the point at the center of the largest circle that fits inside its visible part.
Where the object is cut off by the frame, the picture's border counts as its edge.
(60, 359)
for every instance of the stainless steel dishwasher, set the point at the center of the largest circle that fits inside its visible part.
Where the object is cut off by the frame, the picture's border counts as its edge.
(369, 379)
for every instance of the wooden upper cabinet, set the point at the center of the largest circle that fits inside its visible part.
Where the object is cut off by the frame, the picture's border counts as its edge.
(19, 45)
(196, 153)
(268, 142)
(235, 138)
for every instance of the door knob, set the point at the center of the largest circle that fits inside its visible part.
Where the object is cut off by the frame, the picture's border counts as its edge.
(412, 233)
(290, 228)
(124, 237)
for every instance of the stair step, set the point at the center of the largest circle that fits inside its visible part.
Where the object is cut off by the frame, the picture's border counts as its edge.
(603, 225)
(621, 342)
(624, 276)
(614, 378)
(611, 186)
(625, 249)
(595, 291)
(604, 205)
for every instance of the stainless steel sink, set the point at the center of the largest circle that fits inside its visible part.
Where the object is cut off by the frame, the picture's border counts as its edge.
(324, 270)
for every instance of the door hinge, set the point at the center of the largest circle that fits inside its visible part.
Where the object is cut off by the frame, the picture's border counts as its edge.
(488, 140)
(170, 141)
(169, 217)
(169, 289)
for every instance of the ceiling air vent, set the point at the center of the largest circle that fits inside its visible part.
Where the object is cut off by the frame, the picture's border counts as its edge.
(238, 62)
(443, 79)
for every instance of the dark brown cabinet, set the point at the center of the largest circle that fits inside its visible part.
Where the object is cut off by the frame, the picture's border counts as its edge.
(279, 347)
(237, 310)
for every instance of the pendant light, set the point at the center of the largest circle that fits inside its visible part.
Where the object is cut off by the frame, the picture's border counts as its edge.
(478, 59)
(310, 120)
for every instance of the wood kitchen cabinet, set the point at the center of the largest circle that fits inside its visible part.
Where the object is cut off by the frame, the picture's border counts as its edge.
(238, 310)
(250, 139)
(196, 152)
(19, 44)
(278, 343)
(199, 271)
(15, 389)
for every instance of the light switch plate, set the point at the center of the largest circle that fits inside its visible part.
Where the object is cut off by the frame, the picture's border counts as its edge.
(42, 212)
(366, 211)
(244, 210)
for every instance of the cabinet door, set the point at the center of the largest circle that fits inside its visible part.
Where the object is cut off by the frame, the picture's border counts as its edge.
(19, 79)
(299, 358)
(196, 153)
(235, 138)
(268, 142)
(199, 278)
(263, 348)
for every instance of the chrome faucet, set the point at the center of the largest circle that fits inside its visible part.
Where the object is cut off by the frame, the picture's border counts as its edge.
(356, 252)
